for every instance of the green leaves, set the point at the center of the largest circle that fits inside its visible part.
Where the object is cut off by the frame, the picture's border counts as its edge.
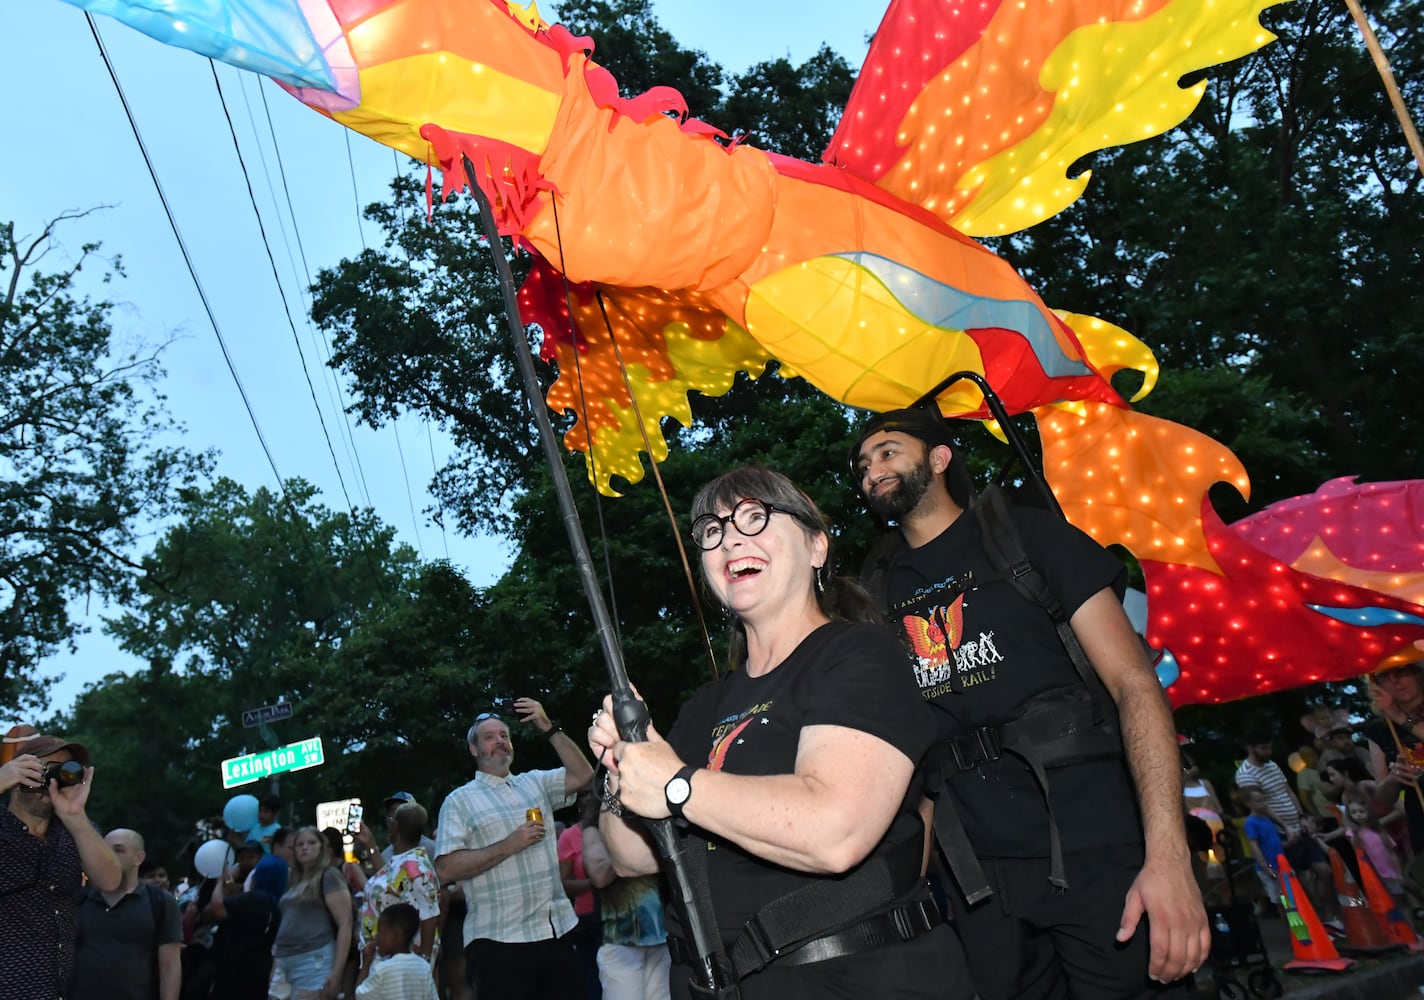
(81, 458)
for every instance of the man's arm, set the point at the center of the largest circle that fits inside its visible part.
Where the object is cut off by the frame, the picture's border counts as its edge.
(170, 970)
(1164, 890)
(471, 861)
(578, 772)
(96, 857)
(427, 936)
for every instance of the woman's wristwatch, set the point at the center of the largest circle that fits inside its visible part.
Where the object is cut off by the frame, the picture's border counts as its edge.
(678, 790)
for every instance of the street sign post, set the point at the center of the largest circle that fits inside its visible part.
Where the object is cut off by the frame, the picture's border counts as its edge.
(267, 713)
(256, 766)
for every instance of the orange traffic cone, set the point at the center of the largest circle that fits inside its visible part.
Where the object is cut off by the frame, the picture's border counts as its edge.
(1364, 934)
(1312, 947)
(1384, 907)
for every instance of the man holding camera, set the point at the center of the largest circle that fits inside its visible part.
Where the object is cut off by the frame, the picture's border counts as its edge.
(42, 861)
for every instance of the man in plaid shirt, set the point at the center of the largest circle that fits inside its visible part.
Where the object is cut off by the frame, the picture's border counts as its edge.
(518, 919)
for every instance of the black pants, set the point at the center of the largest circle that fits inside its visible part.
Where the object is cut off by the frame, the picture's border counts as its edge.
(1030, 942)
(499, 970)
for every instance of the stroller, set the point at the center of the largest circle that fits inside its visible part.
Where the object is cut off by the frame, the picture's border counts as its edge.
(1236, 938)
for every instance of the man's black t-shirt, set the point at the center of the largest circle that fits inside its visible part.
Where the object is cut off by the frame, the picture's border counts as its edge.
(981, 650)
(117, 946)
(843, 674)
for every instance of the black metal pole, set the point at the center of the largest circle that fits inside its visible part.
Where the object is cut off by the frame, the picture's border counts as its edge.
(1001, 414)
(715, 971)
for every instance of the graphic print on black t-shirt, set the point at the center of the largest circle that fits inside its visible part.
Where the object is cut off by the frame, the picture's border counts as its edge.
(945, 659)
(731, 728)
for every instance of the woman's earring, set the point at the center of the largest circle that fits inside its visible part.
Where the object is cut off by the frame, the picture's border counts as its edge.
(820, 580)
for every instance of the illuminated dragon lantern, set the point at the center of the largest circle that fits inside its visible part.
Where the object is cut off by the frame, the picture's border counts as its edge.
(859, 274)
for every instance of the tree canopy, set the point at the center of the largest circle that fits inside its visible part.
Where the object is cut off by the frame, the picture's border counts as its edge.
(87, 455)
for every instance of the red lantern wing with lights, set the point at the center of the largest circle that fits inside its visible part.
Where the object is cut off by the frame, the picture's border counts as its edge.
(976, 111)
(1258, 625)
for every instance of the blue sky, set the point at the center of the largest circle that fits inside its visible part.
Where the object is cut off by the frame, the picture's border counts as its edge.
(69, 147)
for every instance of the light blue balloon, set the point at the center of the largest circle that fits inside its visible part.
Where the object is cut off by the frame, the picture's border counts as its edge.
(240, 813)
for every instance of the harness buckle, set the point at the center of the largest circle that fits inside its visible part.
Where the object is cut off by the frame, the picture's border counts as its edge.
(979, 747)
(988, 738)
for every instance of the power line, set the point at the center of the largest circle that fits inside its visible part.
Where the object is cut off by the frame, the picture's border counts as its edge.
(395, 429)
(347, 441)
(297, 517)
(281, 291)
(187, 258)
(338, 402)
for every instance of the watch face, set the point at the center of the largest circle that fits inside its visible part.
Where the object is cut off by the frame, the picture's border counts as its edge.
(678, 790)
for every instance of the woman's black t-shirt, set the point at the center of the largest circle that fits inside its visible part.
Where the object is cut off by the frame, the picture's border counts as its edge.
(842, 674)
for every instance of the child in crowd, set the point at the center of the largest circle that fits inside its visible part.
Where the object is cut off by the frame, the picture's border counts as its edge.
(1370, 841)
(1264, 835)
(398, 974)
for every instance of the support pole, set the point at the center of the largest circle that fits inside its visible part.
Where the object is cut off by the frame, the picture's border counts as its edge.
(714, 971)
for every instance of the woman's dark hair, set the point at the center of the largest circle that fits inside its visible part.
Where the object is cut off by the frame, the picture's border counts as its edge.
(1351, 767)
(840, 598)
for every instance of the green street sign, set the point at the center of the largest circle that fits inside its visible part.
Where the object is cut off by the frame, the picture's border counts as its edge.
(256, 766)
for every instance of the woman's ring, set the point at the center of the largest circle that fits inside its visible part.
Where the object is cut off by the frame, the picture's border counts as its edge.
(596, 715)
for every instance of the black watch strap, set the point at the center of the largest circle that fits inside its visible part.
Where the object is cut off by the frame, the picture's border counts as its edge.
(685, 775)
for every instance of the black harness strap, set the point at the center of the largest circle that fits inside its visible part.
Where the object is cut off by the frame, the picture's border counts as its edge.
(948, 828)
(827, 919)
(1006, 552)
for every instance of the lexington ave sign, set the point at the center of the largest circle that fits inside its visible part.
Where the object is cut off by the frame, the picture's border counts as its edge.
(256, 766)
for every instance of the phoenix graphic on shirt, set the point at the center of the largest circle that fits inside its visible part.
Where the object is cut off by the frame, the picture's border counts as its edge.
(943, 659)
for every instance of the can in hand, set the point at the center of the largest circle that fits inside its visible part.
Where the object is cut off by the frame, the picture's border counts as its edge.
(534, 815)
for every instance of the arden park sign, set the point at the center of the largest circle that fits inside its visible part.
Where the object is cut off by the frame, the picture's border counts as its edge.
(256, 766)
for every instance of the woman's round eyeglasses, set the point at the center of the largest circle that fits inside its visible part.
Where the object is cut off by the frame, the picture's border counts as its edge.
(750, 517)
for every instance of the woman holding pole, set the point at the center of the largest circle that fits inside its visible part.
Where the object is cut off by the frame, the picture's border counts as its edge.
(794, 771)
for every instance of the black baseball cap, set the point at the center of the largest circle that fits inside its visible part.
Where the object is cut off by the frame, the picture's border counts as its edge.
(928, 426)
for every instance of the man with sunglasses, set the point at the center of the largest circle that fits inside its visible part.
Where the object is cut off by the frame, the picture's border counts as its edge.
(492, 838)
(1042, 797)
(42, 862)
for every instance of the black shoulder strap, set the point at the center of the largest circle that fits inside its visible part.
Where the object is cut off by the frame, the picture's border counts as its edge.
(879, 562)
(1005, 548)
(155, 906)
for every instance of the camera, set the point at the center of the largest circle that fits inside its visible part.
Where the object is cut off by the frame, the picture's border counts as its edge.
(67, 773)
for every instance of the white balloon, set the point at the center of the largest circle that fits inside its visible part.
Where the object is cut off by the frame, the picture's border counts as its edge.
(213, 858)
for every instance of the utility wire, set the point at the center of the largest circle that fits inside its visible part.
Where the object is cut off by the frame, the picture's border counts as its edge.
(298, 519)
(439, 506)
(395, 430)
(281, 291)
(287, 309)
(338, 401)
(187, 258)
